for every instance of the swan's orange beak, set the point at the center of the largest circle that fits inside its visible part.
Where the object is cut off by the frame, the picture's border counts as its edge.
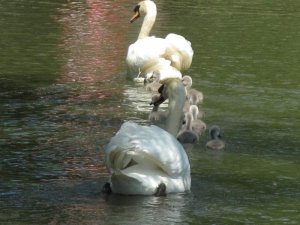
(134, 17)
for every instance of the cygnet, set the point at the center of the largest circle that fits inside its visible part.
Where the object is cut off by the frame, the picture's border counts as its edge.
(216, 143)
(186, 133)
(195, 97)
(198, 125)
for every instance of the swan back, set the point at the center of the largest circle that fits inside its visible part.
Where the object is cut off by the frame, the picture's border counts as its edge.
(142, 157)
(144, 53)
(166, 73)
(180, 50)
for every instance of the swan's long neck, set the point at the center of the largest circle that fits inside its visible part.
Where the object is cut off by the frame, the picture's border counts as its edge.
(148, 23)
(176, 94)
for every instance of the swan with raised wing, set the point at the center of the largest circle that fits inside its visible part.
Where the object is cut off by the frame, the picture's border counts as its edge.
(148, 160)
(148, 48)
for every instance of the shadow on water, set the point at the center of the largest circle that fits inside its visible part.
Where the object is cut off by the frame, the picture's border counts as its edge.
(53, 130)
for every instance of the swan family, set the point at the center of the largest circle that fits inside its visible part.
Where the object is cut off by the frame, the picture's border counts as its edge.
(151, 160)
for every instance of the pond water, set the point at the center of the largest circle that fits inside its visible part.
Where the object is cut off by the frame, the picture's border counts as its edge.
(63, 95)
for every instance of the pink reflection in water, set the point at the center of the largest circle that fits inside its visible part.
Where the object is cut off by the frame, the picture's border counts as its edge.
(94, 48)
(94, 40)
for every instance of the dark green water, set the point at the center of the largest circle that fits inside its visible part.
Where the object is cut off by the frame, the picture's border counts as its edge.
(63, 94)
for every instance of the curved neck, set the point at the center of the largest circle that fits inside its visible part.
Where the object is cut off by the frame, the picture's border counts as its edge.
(189, 120)
(195, 111)
(147, 25)
(176, 94)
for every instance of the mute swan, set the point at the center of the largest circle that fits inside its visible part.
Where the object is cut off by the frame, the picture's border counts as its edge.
(147, 160)
(186, 134)
(146, 49)
(216, 143)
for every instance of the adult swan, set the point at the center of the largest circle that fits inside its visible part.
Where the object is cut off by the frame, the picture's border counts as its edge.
(147, 50)
(147, 160)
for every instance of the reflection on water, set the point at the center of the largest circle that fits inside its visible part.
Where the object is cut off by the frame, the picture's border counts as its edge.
(124, 210)
(63, 95)
(93, 50)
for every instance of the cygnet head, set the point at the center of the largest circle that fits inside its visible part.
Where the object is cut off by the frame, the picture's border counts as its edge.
(154, 99)
(157, 99)
(214, 132)
(188, 137)
(216, 143)
(187, 81)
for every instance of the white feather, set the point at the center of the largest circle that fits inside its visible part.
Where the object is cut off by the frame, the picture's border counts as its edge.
(142, 157)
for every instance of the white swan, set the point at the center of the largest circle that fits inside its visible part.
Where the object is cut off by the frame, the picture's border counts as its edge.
(146, 49)
(140, 158)
(144, 160)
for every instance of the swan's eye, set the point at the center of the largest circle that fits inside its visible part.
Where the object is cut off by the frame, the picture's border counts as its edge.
(136, 9)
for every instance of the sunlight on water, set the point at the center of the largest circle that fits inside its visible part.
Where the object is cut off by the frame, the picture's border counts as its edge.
(63, 95)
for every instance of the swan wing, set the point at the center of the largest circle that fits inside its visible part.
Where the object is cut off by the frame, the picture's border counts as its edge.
(142, 157)
(179, 51)
(143, 51)
(154, 143)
